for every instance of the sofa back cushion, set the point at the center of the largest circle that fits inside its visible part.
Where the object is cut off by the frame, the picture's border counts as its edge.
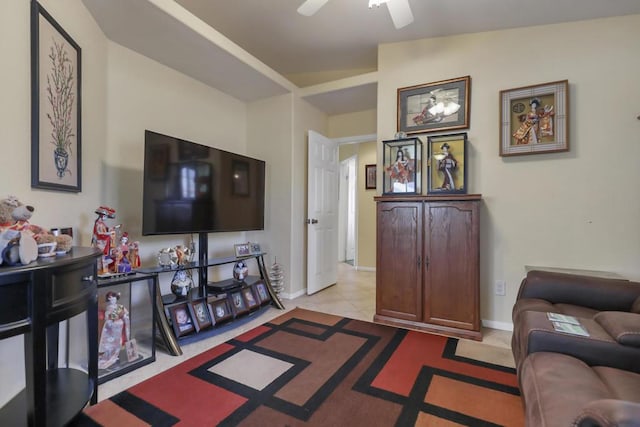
(635, 308)
(623, 327)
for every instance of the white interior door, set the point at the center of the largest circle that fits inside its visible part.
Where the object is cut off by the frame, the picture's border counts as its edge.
(322, 213)
(351, 211)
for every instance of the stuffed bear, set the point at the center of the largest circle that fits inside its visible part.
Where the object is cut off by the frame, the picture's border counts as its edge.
(15, 215)
(16, 246)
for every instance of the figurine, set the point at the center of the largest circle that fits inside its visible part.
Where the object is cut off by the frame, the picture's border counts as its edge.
(115, 331)
(104, 237)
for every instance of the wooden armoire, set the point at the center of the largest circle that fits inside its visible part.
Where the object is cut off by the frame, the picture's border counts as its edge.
(428, 263)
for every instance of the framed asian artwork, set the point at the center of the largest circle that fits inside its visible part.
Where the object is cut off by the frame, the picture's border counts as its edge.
(433, 107)
(447, 164)
(55, 105)
(402, 163)
(370, 175)
(534, 119)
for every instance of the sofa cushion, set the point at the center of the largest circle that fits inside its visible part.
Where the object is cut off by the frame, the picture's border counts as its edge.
(623, 327)
(635, 308)
(535, 304)
(556, 387)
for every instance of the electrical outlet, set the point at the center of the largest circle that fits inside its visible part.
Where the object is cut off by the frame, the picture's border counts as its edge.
(501, 287)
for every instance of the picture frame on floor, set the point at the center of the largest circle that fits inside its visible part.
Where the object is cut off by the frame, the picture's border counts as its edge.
(181, 320)
(250, 297)
(262, 292)
(534, 119)
(221, 310)
(201, 313)
(238, 304)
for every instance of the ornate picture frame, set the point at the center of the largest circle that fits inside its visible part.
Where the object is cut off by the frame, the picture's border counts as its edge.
(56, 132)
(434, 107)
(534, 119)
(447, 164)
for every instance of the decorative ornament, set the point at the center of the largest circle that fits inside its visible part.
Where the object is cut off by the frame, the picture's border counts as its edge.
(167, 258)
(240, 271)
(276, 276)
(181, 282)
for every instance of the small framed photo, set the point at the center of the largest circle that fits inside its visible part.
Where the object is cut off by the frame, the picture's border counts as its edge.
(181, 320)
(201, 314)
(238, 304)
(433, 107)
(370, 174)
(254, 248)
(534, 119)
(221, 310)
(242, 250)
(250, 297)
(402, 162)
(447, 164)
(263, 294)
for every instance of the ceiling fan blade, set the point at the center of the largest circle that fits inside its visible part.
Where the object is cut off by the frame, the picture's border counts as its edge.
(310, 7)
(400, 13)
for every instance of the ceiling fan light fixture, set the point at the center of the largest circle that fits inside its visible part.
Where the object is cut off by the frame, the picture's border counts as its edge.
(376, 3)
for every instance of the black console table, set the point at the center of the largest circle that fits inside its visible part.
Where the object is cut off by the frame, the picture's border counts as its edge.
(34, 299)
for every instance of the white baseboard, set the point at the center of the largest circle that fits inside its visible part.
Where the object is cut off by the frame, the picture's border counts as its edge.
(293, 295)
(502, 326)
(373, 269)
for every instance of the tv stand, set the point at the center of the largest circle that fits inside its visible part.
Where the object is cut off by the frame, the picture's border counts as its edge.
(204, 293)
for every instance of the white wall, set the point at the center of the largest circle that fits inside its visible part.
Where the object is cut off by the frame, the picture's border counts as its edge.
(578, 209)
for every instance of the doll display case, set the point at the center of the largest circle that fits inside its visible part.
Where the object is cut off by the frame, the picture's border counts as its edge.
(402, 164)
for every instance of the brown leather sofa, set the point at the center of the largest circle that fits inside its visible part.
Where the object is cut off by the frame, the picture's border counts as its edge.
(573, 380)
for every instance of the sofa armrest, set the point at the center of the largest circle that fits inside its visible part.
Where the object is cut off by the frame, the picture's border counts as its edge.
(594, 292)
(609, 413)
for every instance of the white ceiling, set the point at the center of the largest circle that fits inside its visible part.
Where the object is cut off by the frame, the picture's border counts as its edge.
(245, 47)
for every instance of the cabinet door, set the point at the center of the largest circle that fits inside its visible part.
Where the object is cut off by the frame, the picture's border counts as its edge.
(451, 296)
(398, 265)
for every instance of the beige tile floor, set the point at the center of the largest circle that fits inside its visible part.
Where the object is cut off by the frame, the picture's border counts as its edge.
(352, 296)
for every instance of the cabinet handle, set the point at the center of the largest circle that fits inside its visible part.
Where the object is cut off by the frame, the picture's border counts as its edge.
(426, 263)
(88, 278)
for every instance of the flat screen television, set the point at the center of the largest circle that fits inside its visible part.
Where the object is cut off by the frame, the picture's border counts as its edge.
(194, 188)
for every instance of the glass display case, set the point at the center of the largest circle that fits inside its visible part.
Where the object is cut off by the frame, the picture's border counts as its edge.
(402, 166)
(126, 324)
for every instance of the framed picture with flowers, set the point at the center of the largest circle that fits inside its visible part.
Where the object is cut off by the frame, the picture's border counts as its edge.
(55, 105)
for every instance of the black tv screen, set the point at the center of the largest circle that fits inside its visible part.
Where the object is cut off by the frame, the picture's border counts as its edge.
(193, 188)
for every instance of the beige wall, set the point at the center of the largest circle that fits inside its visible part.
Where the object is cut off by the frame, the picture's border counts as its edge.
(578, 209)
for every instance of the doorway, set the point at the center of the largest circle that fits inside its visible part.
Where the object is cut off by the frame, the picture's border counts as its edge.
(347, 211)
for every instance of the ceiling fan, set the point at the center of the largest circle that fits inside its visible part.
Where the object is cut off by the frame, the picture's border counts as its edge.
(398, 9)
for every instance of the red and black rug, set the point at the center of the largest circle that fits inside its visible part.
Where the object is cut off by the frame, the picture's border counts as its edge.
(313, 369)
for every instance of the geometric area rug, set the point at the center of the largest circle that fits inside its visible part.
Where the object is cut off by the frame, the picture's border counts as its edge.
(307, 368)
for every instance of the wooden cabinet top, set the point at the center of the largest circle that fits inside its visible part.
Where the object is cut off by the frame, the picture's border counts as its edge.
(77, 254)
(429, 198)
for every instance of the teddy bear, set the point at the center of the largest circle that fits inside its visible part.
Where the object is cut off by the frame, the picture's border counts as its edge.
(15, 215)
(16, 246)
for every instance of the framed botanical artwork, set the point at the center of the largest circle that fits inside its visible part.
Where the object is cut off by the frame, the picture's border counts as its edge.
(201, 315)
(221, 310)
(238, 304)
(181, 319)
(447, 164)
(254, 248)
(250, 297)
(263, 294)
(370, 176)
(433, 107)
(242, 250)
(402, 163)
(55, 105)
(534, 119)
